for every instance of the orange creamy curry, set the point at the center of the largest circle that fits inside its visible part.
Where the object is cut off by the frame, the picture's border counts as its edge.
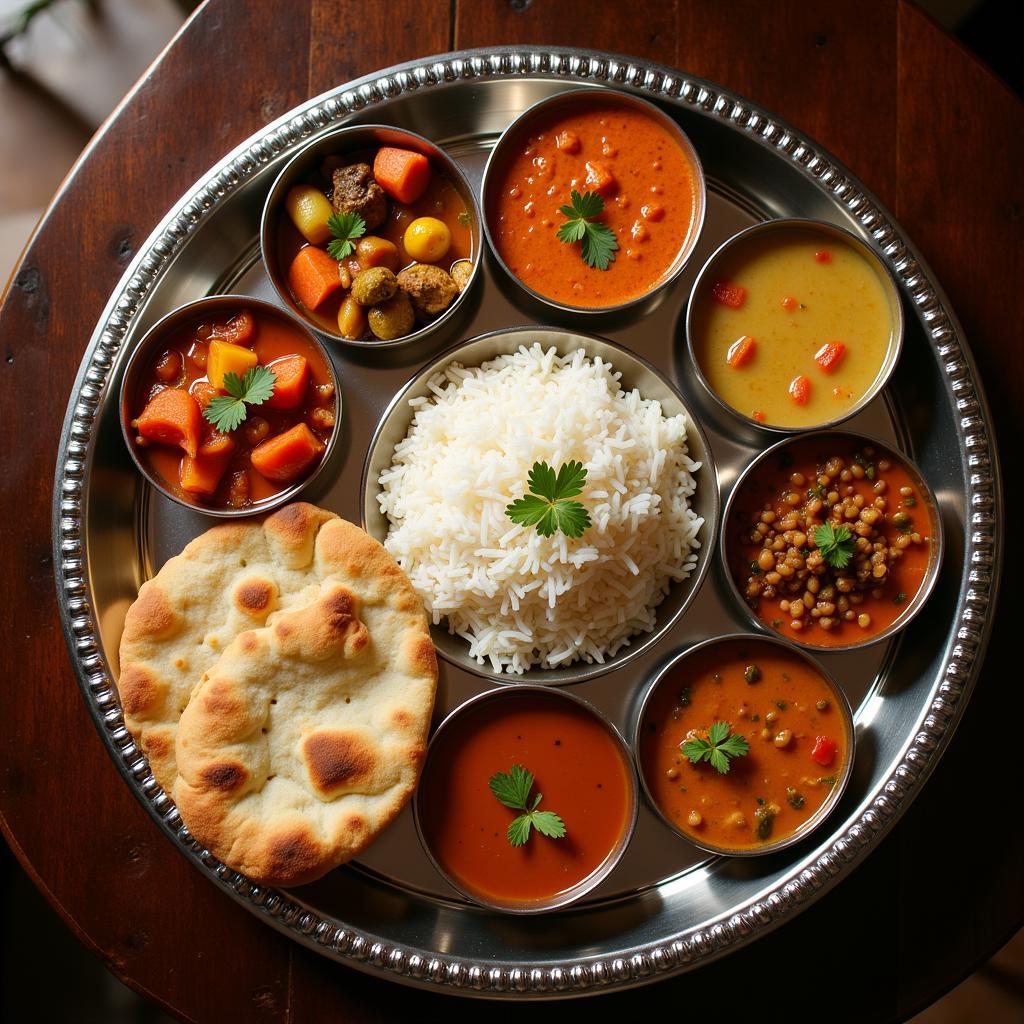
(650, 201)
(789, 717)
(577, 766)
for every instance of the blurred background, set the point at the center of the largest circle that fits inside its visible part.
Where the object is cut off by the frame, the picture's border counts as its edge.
(64, 66)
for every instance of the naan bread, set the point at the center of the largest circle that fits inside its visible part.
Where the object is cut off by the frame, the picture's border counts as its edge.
(240, 578)
(307, 737)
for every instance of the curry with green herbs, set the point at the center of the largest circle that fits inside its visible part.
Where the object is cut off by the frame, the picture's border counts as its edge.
(741, 744)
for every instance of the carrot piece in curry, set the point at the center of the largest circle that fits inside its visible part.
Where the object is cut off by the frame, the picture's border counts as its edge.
(287, 456)
(829, 355)
(741, 352)
(201, 475)
(800, 390)
(171, 417)
(313, 276)
(403, 174)
(291, 377)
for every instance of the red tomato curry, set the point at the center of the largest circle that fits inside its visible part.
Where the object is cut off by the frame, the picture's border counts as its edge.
(647, 182)
(577, 766)
(789, 717)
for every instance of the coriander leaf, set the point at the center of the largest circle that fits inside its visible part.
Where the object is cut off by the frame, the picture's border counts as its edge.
(513, 790)
(549, 824)
(543, 481)
(519, 831)
(528, 511)
(228, 412)
(590, 204)
(570, 517)
(599, 245)
(718, 732)
(835, 544)
(257, 386)
(570, 480)
(735, 746)
(225, 413)
(548, 506)
(718, 748)
(346, 227)
(696, 749)
(571, 230)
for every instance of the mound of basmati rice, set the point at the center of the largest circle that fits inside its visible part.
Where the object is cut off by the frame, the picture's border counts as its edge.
(518, 598)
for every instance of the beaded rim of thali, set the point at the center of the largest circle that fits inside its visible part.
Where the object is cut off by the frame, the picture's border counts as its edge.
(738, 925)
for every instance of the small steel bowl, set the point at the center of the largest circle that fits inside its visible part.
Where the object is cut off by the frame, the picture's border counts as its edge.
(636, 373)
(354, 139)
(841, 703)
(581, 888)
(924, 496)
(699, 296)
(212, 308)
(583, 96)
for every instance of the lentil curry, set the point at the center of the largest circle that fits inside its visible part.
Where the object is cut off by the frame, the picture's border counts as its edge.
(776, 558)
(785, 709)
(793, 329)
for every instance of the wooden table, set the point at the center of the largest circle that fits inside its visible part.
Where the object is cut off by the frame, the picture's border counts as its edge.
(935, 135)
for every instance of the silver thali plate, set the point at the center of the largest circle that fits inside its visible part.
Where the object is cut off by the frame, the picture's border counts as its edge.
(666, 908)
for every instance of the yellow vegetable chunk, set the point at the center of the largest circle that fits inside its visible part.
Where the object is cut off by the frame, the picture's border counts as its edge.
(227, 358)
(351, 319)
(309, 209)
(427, 239)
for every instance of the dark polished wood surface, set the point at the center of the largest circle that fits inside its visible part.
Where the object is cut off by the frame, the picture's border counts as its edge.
(932, 132)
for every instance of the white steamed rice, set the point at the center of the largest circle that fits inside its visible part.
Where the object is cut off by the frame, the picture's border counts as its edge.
(519, 599)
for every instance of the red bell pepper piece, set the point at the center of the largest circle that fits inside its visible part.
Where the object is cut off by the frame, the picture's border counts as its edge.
(823, 256)
(824, 751)
(731, 295)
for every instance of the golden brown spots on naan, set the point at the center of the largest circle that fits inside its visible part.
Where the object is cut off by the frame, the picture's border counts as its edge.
(255, 596)
(224, 776)
(337, 759)
(151, 616)
(140, 690)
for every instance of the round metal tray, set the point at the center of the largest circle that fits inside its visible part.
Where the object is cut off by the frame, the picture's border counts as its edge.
(667, 907)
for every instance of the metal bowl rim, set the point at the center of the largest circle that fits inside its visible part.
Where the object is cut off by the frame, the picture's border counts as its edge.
(179, 317)
(686, 250)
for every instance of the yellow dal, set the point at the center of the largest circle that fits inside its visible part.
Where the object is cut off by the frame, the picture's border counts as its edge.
(843, 300)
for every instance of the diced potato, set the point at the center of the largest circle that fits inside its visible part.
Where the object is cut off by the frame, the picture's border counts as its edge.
(309, 209)
(351, 319)
(227, 358)
(373, 251)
